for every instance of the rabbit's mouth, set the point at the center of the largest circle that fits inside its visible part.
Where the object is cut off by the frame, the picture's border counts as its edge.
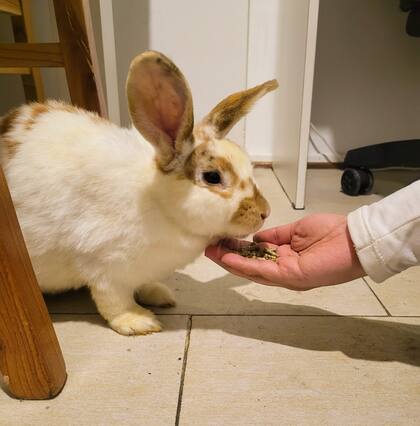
(243, 235)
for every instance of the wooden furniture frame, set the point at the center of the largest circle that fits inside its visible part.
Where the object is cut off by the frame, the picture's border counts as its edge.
(31, 362)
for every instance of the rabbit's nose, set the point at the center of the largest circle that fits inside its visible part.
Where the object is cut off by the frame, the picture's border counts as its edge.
(266, 212)
(262, 205)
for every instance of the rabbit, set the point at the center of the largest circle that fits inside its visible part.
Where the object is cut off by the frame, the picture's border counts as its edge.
(119, 209)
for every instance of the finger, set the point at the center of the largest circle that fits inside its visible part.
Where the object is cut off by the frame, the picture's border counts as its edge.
(216, 252)
(278, 235)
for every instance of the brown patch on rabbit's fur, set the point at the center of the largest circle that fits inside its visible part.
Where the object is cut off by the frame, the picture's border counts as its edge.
(231, 109)
(202, 159)
(52, 106)
(8, 120)
(36, 110)
(251, 209)
(7, 124)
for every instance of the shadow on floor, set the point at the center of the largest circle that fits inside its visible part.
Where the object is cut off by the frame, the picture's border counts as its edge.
(388, 181)
(304, 327)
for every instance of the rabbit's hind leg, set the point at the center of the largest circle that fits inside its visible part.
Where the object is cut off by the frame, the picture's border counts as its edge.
(155, 294)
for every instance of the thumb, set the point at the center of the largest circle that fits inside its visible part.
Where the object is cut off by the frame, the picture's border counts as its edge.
(278, 235)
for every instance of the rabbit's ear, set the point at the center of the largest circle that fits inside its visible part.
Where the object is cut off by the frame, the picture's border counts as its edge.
(230, 110)
(160, 105)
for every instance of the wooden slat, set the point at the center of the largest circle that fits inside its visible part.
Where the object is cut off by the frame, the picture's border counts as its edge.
(31, 362)
(76, 53)
(30, 55)
(20, 70)
(94, 58)
(10, 6)
(22, 31)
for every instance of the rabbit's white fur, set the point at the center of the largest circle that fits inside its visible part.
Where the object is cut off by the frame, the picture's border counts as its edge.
(96, 209)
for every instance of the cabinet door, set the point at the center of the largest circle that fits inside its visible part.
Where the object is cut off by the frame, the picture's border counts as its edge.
(282, 41)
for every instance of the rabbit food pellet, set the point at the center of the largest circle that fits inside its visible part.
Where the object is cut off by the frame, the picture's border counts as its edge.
(255, 252)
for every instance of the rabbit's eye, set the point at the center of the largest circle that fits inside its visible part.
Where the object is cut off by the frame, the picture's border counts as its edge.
(212, 178)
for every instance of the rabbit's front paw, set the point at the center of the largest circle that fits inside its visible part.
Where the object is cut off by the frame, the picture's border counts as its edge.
(155, 294)
(136, 321)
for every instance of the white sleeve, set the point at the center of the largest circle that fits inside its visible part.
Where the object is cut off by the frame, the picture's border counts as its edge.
(386, 234)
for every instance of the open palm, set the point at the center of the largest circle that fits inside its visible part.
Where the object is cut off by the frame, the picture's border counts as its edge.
(312, 252)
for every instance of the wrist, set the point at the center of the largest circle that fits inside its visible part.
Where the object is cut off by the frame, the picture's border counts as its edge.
(356, 265)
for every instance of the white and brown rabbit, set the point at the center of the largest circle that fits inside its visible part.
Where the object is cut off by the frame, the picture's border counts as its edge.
(99, 204)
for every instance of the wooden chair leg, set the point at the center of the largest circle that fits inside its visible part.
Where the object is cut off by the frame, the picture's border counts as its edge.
(22, 31)
(31, 361)
(77, 45)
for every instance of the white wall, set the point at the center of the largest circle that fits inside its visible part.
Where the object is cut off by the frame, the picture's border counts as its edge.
(367, 74)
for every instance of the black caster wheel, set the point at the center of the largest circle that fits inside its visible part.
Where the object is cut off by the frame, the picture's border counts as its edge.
(356, 181)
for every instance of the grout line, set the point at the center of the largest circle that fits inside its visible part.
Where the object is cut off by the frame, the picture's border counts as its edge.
(284, 190)
(287, 315)
(74, 313)
(189, 314)
(332, 315)
(405, 316)
(377, 298)
(184, 367)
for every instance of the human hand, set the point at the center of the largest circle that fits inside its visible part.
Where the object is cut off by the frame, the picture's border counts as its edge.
(312, 252)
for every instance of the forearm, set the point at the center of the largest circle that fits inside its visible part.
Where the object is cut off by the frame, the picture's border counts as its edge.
(386, 234)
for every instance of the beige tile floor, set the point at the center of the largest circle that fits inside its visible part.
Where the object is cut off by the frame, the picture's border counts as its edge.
(235, 353)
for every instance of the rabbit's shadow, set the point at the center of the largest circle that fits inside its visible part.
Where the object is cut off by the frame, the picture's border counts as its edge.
(298, 326)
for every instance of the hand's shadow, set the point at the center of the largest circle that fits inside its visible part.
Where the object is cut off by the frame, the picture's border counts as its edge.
(299, 326)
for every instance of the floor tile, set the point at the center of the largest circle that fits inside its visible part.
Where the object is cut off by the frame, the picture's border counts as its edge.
(268, 183)
(112, 379)
(281, 208)
(302, 371)
(400, 294)
(323, 194)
